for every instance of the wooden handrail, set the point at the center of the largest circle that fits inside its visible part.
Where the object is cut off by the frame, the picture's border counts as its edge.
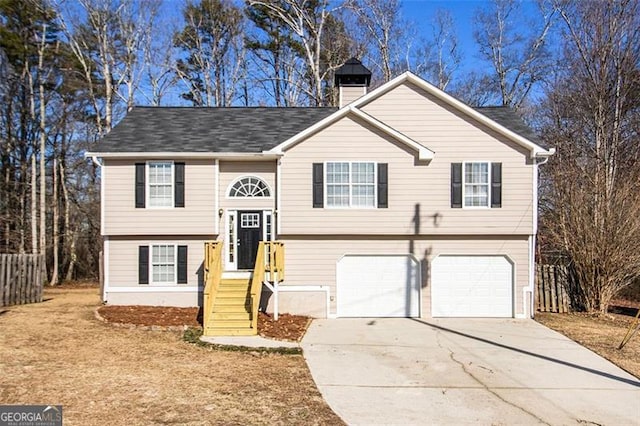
(212, 277)
(270, 258)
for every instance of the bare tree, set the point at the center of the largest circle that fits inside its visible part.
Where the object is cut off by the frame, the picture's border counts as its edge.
(439, 56)
(516, 50)
(106, 42)
(159, 58)
(381, 23)
(592, 202)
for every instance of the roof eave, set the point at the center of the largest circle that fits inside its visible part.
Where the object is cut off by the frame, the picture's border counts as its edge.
(264, 155)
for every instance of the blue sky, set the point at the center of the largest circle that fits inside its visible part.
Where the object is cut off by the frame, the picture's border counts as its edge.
(462, 11)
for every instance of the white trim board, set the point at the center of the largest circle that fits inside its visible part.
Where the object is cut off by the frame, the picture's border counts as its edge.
(150, 288)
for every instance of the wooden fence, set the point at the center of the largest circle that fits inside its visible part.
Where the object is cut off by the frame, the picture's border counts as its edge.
(552, 282)
(21, 278)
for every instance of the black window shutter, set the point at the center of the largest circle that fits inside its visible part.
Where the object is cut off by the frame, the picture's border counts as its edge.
(383, 186)
(456, 185)
(143, 264)
(182, 264)
(496, 185)
(179, 184)
(140, 171)
(318, 185)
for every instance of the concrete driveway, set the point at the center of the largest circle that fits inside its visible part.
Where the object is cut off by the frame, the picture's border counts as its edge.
(464, 371)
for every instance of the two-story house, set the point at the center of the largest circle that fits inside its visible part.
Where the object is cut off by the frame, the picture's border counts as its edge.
(402, 202)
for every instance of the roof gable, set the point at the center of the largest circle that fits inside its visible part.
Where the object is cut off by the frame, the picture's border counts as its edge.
(423, 152)
(500, 119)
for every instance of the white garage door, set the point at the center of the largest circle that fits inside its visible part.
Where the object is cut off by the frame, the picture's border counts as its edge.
(378, 286)
(471, 286)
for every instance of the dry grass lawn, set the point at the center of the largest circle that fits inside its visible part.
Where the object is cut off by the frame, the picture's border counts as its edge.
(55, 352)
(600, 334)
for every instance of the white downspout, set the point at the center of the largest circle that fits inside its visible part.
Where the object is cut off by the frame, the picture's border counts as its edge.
(530, 292)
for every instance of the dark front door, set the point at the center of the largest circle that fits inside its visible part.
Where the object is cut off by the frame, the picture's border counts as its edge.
(249, 235)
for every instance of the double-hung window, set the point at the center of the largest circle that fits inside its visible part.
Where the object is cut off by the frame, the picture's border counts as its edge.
(162, 264)
(351, 184)
(160, 184)
(476, 184)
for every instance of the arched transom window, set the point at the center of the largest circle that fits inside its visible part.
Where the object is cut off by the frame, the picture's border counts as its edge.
(249, 186)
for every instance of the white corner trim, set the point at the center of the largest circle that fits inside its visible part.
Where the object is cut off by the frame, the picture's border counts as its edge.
(106, 268)
(102, 194)
(423, 152)
(216, 196)
(278, 195)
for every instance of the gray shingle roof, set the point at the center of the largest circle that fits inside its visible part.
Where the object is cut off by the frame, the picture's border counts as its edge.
(236, 129)
(508, 118)
(188, 129)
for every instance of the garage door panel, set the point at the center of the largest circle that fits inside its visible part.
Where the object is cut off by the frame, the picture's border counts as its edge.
(471, 286)
(378, 286)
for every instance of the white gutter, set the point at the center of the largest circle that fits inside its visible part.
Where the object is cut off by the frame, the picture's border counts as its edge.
(179, 155)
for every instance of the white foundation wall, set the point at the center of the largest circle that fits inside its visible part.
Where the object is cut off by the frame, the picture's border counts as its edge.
(312, 262)
(183, 299)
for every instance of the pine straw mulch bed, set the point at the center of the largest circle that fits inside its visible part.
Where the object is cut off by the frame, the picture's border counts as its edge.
(288, 327)
(600, 333)
(55, 352)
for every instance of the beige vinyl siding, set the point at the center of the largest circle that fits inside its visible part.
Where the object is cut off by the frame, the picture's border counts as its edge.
(419, 192)
(123, 260)
(349, 94)
(232, 170)
(122, 218)
(312, 261)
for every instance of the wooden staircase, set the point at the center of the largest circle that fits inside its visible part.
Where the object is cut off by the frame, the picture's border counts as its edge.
(231, 309)
(231, 303)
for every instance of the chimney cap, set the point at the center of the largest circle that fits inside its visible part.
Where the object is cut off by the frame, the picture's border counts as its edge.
(352, 73)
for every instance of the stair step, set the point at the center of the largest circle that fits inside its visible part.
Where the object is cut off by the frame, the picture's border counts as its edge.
(228, 293)
(231, 323)
(237, 274)
(237, 300)
(221, 331)
(231, 308)
(234, 281)
(237, 315)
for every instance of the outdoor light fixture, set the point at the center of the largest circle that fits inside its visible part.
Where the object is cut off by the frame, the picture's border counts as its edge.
(220, 212)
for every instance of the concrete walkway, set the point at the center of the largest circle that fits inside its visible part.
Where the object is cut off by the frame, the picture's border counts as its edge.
(249, 342)
(464, 371)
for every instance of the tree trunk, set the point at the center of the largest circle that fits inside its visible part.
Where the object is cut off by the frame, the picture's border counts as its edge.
(69, 234)
(34, 205)
(56, 236)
